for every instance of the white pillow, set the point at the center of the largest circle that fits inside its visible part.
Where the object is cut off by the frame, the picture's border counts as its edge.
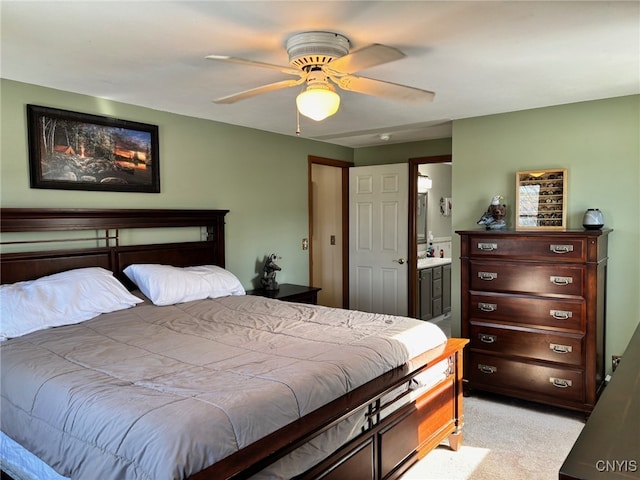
(61, 299)
(167, 285)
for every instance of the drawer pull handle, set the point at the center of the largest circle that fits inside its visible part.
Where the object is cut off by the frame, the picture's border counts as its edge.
(561, 280)
(488, 307)
(560, 382)
(560, 314)
(488, 369)
(487, 275)
(561, 248)
(487, 338)
(556, 347)
(487, 247)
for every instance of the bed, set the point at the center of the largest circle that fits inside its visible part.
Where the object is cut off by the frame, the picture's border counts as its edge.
(316, 411)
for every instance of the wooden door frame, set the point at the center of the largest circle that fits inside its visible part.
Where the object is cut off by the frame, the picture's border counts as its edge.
(413, 307)
(344, 166)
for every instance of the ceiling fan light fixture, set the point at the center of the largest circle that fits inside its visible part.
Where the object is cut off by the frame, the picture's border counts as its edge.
(318, 57)
(318, 101)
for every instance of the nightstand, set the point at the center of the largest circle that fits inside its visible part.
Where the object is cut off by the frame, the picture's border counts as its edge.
(290, 293)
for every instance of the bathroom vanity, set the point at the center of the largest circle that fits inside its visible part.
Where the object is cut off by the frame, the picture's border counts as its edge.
(434, 286)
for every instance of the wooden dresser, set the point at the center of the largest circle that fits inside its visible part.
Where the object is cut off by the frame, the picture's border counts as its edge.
(533, 307)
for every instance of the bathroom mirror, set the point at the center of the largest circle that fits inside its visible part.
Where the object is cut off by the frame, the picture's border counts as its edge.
(421, 218)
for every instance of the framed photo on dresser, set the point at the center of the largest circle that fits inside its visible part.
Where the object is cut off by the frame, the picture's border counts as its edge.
(541, 199)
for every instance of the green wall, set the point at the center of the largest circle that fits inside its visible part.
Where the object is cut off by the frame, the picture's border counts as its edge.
(260, 177)
(598, 143)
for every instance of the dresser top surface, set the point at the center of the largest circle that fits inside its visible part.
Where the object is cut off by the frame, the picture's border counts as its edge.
(538, 233)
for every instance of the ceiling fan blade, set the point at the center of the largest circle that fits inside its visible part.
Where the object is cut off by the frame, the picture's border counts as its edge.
(242, 61)
(365, 57)
(259, 90)
(379, 88)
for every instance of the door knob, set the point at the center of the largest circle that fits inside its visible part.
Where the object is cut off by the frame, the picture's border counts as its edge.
(400, 261)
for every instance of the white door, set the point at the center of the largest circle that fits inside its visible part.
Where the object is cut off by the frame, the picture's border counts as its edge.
(378, 237)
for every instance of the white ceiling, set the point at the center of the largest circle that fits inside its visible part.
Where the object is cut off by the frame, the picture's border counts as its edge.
(479, 57)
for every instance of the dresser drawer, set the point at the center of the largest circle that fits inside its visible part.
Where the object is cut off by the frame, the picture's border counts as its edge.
(495, 373)
(556, 313)
(559, 249)
(555, 279)
(539, 345)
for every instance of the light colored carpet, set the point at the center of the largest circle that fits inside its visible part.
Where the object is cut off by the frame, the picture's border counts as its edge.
(504, 439)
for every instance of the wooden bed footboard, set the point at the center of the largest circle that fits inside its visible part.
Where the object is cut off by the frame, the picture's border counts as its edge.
(388, 447)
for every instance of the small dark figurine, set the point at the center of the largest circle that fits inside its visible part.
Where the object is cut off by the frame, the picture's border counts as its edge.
(493, 218)
(268, 279)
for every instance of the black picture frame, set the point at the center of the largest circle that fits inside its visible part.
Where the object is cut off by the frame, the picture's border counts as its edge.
(79, 151)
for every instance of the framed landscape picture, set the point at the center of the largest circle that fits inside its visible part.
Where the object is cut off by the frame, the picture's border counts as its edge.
(79, 151)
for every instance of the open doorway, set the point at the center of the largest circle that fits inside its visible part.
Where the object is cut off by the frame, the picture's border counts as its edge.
(414, 163)
(329, 230)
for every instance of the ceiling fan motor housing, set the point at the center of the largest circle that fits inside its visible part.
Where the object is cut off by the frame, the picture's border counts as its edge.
(309, 49)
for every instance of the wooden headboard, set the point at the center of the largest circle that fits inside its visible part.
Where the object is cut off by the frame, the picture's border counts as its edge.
(20, 266)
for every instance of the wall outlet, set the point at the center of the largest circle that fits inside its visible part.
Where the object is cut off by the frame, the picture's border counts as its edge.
(615, 361)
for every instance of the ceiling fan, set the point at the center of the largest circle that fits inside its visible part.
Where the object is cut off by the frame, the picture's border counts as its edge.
(317, 58)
